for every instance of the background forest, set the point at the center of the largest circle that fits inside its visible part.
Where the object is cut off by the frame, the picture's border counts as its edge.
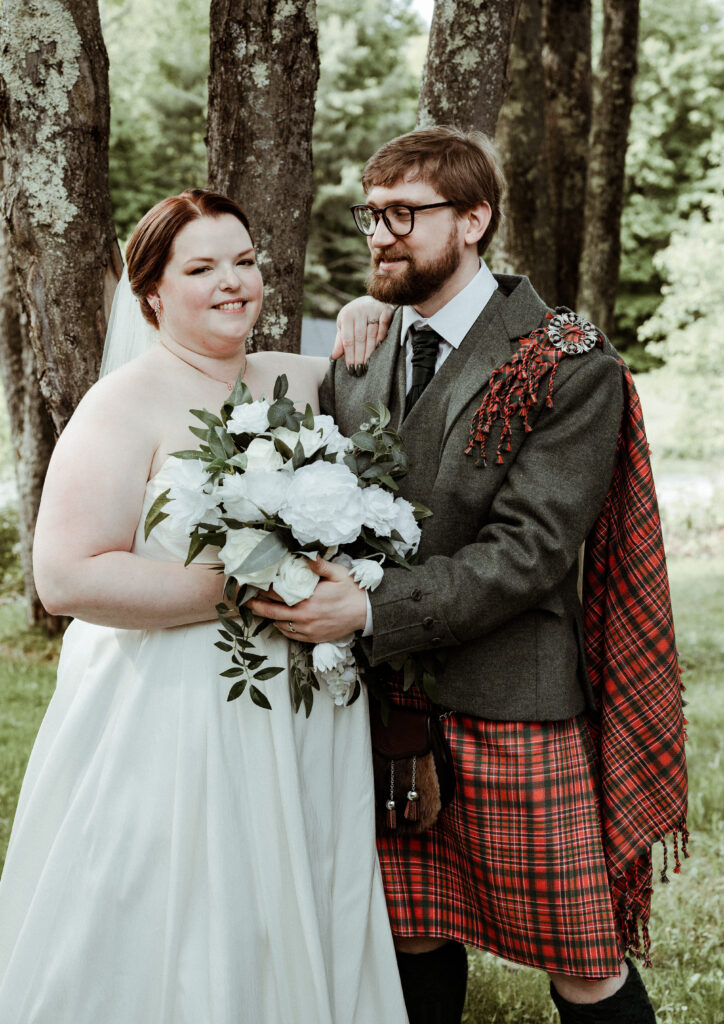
(667, 291)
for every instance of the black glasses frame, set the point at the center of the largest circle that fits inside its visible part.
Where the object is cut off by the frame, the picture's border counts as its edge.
(376, 214)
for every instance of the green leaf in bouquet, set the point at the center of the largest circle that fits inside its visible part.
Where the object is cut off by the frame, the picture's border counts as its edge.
(230, 594)
(364, 441)
(420, 511)
(283, 448)
(267, 673)
(388, 482)
(246, 616)
(355, 693)
(196, 546)
(232, 673)
(280, 386)
(298, 455)
(217, 446)
(238, 461)
(350, 462)
(222, 646)
(262, 625)
(206, 417)
(226, 635)
(379, 411)
(191, 453)
(241, 395)
(156, 514)
(236, 690)
(409, 674)
(258, 697)
(308, 420)
(232, 625)
(200, 432)
(254, 661)
(267, 552)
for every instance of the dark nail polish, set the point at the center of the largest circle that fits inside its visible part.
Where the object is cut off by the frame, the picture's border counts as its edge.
(367, 366)
(360, 371)
(350, 370)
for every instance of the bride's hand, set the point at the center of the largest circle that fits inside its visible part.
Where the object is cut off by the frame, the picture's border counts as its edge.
(361, 325)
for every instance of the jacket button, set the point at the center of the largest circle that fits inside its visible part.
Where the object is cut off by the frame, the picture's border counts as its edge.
(416, 595)
(428, 622)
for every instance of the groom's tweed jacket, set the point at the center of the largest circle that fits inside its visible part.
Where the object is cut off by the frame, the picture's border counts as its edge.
(497, 579)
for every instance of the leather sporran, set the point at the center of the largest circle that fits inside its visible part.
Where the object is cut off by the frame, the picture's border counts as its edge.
(413, 769)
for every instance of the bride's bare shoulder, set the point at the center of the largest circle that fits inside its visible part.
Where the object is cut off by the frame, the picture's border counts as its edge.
(297, 367)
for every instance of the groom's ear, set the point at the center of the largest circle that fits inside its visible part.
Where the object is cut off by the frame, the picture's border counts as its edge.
(477, 217)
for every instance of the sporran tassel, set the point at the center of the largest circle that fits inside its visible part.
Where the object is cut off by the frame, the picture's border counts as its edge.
(412, 808)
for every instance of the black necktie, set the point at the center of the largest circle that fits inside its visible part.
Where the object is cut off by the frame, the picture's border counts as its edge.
(425, 344)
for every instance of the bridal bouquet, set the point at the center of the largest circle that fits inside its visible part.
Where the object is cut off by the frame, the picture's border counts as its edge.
(271, 488)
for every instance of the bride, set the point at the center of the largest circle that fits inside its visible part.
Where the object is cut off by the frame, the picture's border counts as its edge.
(176, 859)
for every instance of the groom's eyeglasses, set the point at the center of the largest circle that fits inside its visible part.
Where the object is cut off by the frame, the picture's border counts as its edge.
(398, 218)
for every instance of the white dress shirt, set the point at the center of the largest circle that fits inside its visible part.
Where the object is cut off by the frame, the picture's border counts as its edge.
(452, 322)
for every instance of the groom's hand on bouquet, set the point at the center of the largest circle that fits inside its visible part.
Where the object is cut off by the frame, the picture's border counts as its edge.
(337, 607)
(361, 325)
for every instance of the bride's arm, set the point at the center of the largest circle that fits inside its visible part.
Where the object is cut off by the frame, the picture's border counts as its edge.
(91, 504)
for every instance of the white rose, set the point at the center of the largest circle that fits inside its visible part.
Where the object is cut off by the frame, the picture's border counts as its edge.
(192, 500)
(327, 657)
(366, 573)
(261, 454)
(408, 528)
(294, 580)
(323, 504)
(249, 418)
(380, 513)
(334, 442)
(239, 545)
(234, 494)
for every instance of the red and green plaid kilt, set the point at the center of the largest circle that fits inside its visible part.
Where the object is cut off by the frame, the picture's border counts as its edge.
(515, 863)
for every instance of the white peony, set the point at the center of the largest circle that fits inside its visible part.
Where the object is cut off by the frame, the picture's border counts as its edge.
(380, 513)
(239, 545)
(294, 581)
(193, 500)
(248, 495)
(341, 678)
(408, 528)
(261, 454)
(366, 573)
(249, 418)
(328, 656)
(324, 433)
(324, 504)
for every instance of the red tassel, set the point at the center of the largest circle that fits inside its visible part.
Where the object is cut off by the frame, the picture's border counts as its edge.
(391, 816)
(412, 808)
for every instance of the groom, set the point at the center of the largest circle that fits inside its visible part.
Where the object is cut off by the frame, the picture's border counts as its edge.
(511, 416)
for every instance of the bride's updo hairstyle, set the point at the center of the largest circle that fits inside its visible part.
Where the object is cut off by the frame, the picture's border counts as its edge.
(149, 247)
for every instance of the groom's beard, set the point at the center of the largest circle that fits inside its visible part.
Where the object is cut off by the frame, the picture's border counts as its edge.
(418, 281)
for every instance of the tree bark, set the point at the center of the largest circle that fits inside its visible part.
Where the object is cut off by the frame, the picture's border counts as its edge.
(527, 236)
(30, 427)
(607, 162)
(567, 71)
(262, 83)
(464, 78)
(54, 117)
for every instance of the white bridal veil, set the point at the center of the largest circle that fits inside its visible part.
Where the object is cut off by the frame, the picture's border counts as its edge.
(128, 334)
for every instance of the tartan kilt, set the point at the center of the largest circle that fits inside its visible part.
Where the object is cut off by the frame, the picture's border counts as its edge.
(514, 865)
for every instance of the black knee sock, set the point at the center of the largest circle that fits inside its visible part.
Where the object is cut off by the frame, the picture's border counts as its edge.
(629, 1005)
(434, 984)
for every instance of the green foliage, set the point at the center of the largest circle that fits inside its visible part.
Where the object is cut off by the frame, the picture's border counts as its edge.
(11, 577)
(679, 107)
(371, 60)
(158, 78)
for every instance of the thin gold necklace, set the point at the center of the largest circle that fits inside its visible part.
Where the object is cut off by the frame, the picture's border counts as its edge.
(229, 387)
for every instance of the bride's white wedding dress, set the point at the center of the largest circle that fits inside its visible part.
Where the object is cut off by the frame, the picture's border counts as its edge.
(177, 859)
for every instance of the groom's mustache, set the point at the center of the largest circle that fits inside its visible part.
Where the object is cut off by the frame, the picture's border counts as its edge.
(382, 255)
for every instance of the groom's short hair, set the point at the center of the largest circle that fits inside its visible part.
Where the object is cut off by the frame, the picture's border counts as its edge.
(462, 166)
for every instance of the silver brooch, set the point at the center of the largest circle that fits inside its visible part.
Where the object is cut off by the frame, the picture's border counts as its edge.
(573, 334)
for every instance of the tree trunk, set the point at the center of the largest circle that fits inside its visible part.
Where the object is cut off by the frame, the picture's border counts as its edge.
(526, 240)
(54, 112)
(567, 70)
(607, 161)
(464, 79)
(30, 427)
(262, 83)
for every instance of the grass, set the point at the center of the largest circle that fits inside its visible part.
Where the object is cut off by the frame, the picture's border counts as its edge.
(687, 983)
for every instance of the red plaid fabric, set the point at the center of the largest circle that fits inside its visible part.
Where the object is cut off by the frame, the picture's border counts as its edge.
(515, 864)
(632, 663)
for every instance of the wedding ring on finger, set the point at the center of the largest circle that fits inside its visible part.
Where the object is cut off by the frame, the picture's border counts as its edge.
(291, 627)
(373, 321)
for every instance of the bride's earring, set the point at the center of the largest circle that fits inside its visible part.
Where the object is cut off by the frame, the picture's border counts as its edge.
(155, 304)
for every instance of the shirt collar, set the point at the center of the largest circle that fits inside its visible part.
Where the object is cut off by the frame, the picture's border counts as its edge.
(453, 321)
